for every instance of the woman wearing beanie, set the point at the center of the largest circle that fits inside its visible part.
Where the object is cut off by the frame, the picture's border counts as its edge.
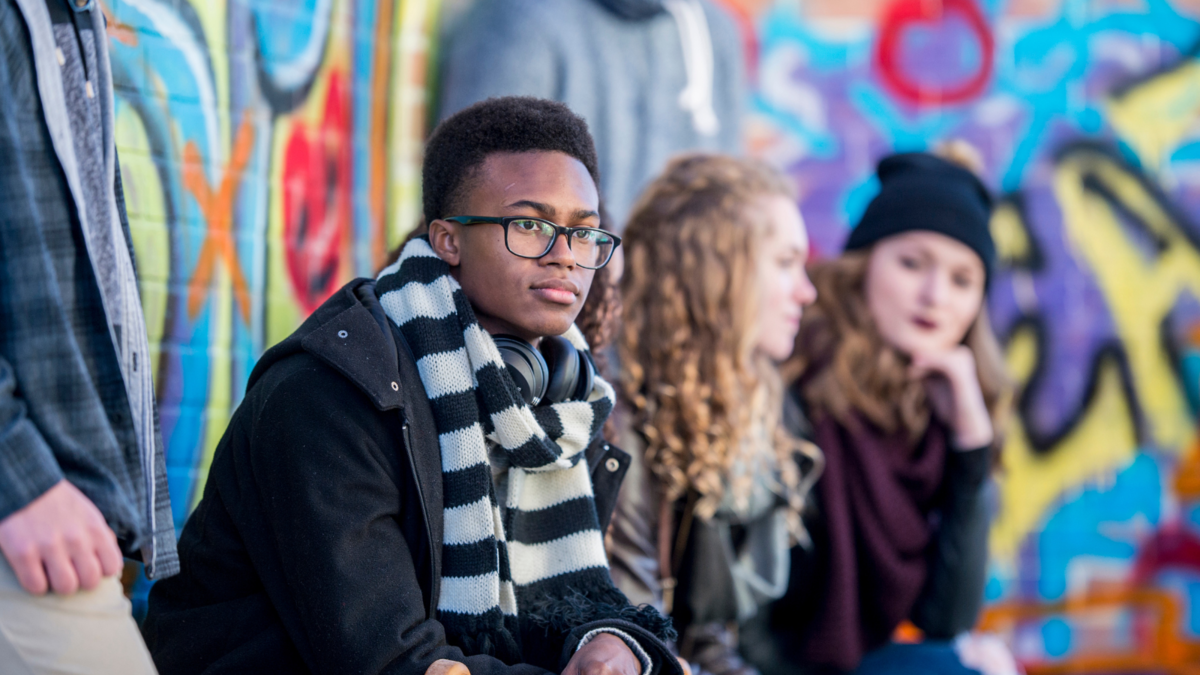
(904, 389)
(713, 291)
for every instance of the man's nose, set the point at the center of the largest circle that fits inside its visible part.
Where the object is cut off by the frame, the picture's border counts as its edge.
(560, 252)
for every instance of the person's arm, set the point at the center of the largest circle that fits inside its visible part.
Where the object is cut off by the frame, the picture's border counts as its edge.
(27, 465)
(953, 594)
(633, 537)
(52, 535)
(953, 590)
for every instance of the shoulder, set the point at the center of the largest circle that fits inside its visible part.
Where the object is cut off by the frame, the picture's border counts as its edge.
(722, 26)
(301, 397)
(512, 18)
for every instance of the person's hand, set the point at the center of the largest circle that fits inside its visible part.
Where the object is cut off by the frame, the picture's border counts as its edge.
(952, 388)
(604, 654)
(60, 542)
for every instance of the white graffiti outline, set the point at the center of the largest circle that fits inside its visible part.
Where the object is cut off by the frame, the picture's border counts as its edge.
(172, 28)
(296, 72)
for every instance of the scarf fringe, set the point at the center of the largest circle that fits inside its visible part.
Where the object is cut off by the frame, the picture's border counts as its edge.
(573, 609)
(478, 635)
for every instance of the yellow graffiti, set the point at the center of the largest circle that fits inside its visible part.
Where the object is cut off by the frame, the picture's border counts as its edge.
(1094, 192)
(1140, 290)
(1013, 246)
(1155, 117)
(1103, 438)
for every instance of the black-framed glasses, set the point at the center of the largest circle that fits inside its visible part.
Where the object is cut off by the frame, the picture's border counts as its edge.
(533, 238)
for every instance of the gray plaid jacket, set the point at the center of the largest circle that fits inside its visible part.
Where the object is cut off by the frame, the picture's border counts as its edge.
(73, 403)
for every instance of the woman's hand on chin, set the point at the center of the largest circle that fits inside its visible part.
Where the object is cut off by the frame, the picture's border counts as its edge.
(952, 386)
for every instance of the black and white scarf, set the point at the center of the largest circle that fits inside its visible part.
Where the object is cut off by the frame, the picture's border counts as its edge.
(548, 543)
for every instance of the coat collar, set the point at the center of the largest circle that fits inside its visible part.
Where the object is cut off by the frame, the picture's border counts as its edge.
(350, 334)
(358, 343)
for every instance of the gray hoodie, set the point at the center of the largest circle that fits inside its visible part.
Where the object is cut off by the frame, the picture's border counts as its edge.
(653, 78)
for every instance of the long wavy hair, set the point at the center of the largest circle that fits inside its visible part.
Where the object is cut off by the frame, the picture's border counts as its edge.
(843, 366)
(699, 393)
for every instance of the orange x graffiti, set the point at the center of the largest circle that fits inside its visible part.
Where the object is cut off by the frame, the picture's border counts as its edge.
(217, 210)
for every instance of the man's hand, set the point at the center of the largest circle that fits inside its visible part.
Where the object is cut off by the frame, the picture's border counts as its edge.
(60, 541)
(604, 654)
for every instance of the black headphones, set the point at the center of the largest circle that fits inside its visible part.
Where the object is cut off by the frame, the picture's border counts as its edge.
(552, 373)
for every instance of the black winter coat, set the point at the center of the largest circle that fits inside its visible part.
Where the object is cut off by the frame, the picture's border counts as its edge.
(317, 544)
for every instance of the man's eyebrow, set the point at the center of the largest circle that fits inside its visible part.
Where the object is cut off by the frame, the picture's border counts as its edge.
(549, 211)
(542, 209)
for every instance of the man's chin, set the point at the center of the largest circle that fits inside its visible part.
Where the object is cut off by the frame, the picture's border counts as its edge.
(545, 324)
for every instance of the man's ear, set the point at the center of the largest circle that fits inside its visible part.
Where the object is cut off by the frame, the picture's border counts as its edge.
(444, 238)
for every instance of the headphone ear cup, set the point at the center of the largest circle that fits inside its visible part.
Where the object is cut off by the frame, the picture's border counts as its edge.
(525, 365)
(587, 377)
(562, 360)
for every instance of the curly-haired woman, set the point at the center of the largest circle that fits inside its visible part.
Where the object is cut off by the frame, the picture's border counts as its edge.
(903, 381)
(713, 291)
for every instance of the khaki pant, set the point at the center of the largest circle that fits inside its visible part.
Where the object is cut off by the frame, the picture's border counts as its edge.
(88, 632)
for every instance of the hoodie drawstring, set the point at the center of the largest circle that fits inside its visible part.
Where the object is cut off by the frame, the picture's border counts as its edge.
(696, 40)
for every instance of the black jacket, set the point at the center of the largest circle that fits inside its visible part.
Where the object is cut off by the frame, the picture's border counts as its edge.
(317, 545)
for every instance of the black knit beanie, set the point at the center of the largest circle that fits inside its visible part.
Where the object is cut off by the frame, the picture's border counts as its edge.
(919, 191)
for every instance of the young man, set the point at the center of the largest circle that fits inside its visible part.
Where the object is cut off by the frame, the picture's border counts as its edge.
(82, 479)
(385, 498)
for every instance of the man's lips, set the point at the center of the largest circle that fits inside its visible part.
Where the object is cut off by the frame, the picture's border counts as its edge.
(561, 291)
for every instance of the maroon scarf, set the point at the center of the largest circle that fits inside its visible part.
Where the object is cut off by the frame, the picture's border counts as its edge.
(875, 497)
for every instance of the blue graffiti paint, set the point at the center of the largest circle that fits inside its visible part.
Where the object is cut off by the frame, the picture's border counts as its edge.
(1056, 637)
(1100, 522)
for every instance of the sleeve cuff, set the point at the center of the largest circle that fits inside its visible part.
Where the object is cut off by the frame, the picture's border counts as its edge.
(643, 657)
(970, 467)
(27, 467)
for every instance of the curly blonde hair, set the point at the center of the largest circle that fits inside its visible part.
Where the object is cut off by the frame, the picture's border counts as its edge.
(699, 393)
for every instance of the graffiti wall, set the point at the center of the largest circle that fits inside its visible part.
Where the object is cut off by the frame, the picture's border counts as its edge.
(270, 152)
(1087, 117)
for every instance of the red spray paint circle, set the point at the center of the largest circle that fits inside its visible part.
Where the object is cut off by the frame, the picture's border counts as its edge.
(906, 14)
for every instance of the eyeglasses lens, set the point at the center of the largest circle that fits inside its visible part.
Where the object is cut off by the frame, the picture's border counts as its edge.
(532, 239)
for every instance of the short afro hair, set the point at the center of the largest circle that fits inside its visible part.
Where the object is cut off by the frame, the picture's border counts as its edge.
(460, 144)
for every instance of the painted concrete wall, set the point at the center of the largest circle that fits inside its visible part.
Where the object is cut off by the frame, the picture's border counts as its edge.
(1087, 114)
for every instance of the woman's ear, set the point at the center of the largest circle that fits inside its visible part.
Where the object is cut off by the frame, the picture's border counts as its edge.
(444, 238)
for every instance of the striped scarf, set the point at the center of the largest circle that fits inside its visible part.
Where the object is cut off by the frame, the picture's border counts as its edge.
(546, 543)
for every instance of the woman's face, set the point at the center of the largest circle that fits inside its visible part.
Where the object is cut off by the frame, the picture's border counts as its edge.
(924, 291)
(786, 288)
